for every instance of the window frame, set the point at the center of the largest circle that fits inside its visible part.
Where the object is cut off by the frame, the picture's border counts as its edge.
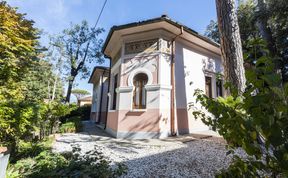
(210, 95)
(141, 94)
(219, 87)
(114, 96)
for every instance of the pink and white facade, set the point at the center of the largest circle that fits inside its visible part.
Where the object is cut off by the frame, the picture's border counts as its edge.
(139, 102)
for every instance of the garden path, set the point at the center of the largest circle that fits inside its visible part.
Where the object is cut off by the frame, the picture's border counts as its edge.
(186, 156)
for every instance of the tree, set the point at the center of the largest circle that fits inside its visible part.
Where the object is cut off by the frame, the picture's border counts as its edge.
(18, 42)
(41, 82)
(25, 79)
(268, 20)
(55, 56)
(256, 119)
(79, 93)
(231, 47)
(80, 45)
(212, 31)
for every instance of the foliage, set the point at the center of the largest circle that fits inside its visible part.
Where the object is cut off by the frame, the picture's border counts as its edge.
(55, 111)
(16, 119)
(26, 120)
(68, 127)
(93, 164)
(24, 81)
(257, 121)
(80, 45)
(18, 41)
(46, 164)
(83, 112)
(79, 93)
(212, 31)
(39, 82)
(275, 16)
(75, 164)
(77, 122)
(31, 148)
(71, 124)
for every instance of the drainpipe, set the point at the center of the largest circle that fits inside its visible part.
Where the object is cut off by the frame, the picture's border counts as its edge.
(101, 95)
(173, 132)
(109, 80)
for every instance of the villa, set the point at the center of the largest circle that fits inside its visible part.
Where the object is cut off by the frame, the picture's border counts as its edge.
(155, 67)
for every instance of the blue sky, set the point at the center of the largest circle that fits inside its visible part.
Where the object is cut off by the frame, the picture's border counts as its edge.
(52, 16)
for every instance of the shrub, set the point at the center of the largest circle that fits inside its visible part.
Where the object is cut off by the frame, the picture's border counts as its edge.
(68, 127)
(77, 121)
(26, 120)
(92, 164)
(18, 120)
(73, 124)
(31, 149)
(83, 112)
(46, 164)
(76, 164)
(22, 168)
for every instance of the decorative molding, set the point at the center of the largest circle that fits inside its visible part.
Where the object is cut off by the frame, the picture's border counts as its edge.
(141, 46)
(137, 71)
(208, 64)
(124, 89)
(157, 87)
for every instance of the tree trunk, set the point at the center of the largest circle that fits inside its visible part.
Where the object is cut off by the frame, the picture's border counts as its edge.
(48, 92)
(70, 85)
(54, 87)
(231, 47)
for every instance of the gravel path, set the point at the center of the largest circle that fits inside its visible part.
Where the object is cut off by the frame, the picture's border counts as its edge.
(154, 158)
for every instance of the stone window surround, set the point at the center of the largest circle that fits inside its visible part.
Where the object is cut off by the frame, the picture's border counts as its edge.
(138, 71)
(213, 81)
(149, 87)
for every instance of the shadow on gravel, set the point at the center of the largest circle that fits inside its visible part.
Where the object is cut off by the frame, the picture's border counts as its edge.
(197, 159)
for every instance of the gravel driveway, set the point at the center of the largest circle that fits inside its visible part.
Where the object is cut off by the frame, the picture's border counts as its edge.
(173, 157)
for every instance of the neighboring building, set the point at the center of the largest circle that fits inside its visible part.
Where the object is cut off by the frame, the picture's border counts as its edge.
(141, 96)
(99, 79)
(87, 100)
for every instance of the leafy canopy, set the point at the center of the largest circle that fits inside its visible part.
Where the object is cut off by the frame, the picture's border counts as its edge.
(275, 17)
(79, 45)
(18, 41)
(79, 93)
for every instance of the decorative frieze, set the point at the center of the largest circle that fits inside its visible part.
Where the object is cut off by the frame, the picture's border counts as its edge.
(151, 45)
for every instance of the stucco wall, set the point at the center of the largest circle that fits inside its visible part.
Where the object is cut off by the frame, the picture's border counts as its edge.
(191, 66)
(135, 64)
(99, 105)
(190, 70)
(154, 120)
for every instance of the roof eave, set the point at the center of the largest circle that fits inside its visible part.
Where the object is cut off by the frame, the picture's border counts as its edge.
(94, 70)
(159, 19)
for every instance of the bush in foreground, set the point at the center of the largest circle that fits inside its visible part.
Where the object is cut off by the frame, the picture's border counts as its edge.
(72, 164)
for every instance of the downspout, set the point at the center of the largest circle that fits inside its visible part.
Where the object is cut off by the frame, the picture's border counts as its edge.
(101, 95)
(173, 132)
(109, 80)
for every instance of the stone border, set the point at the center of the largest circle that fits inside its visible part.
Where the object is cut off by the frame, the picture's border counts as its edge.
(137, 135)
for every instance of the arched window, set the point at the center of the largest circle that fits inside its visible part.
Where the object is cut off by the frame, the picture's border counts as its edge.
(139, 94)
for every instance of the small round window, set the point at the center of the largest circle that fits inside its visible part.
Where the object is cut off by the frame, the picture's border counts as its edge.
(139, 94)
